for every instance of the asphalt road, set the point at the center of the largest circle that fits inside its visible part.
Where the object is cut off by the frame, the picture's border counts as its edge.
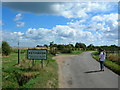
(82, 71)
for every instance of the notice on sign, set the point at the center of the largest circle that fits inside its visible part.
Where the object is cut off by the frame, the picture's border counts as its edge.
(37, 54)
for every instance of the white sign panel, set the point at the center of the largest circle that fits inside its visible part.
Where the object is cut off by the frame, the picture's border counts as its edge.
(37, 54)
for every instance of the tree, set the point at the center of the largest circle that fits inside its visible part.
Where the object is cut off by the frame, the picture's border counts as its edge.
(45, 45)
(91, 47)
(51, 43)
(80, 45)
(77, 45)
(38, 46)
(60, 47)
(71, 45)
(6, 49)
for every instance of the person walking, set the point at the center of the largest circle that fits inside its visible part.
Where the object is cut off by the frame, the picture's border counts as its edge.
(102, 59)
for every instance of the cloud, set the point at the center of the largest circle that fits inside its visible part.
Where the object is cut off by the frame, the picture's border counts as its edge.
(33, 7)
(97, 31)
(60, 34)
(67, 10)
(106, 24)
(18, 17)
(20, 24)
(18, 21)
(90, 23)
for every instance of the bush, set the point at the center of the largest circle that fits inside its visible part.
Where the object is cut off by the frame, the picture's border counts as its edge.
(95, 53)
(114, 58)
(66, 50)
(53, 51)
(6, 49)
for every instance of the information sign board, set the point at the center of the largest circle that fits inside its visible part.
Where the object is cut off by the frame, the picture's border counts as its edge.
(37, 54)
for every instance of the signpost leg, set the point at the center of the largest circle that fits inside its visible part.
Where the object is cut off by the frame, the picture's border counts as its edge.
(18, 56)
(42, 64)
(32, 62)
(47, 62)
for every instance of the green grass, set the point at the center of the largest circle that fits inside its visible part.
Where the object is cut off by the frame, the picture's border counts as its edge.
(74, 52)
(108, 63)
(31, 76)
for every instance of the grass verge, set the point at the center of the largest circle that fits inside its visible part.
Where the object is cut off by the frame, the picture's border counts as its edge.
(108, 63)
(74, 52)
(27, 76)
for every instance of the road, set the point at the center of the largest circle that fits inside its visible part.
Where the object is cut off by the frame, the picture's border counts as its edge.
(82, 71)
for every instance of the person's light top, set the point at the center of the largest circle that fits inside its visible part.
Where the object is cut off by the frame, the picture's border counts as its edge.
(102, 56)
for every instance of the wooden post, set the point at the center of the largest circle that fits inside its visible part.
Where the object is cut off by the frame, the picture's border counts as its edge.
(47, 62)
(18, 53)
(33, 62)
(42, 64)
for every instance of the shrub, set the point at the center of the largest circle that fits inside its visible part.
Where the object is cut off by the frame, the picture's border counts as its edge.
(95, 53)
(114, 58)
(66, 50)
(6, 49)
(53, 51)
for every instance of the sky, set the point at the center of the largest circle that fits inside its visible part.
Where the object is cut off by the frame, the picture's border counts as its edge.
(33, 23)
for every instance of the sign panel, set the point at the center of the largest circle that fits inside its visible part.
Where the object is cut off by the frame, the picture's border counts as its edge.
(37, 54)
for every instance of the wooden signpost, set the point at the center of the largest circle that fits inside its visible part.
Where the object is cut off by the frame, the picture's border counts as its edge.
(37, 54)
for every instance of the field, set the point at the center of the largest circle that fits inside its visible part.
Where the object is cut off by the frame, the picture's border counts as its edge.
(30, 48)
(74, 52)
(114, 57)
(26, 75)
(112, 61)
(29, 75)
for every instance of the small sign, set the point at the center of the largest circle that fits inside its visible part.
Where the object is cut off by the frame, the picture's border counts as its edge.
(37, 54)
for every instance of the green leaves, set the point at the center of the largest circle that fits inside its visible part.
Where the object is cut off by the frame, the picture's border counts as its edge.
(6, 49)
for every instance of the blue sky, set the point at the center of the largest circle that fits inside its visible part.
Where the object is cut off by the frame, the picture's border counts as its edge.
(40, 23)
(31, 19)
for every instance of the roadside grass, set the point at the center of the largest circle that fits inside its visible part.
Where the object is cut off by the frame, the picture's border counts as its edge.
(25, 75)
(115, 67)
(115, 57)
(74, 52)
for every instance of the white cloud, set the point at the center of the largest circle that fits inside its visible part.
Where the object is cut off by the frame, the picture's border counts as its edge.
(18, 17)
(17, 33)
(72, 32)
(97, 18)
(60, 34)
(20, 24)
(106, 24)
(92, 25)
(113, 17)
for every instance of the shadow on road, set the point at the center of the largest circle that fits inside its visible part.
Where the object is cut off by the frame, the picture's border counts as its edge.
(93, 71)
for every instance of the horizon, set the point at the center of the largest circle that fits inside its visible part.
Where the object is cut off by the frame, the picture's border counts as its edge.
(65, 44)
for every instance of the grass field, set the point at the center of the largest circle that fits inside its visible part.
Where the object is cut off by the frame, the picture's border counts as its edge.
(114, 66)
(25, 75)
(74, 52)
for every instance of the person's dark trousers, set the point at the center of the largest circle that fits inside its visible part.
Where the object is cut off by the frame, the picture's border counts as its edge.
(101, 65)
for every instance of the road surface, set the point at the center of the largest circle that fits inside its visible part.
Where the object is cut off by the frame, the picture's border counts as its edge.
(82, 71)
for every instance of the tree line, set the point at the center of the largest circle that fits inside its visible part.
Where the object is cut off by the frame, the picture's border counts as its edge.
(63, 48)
